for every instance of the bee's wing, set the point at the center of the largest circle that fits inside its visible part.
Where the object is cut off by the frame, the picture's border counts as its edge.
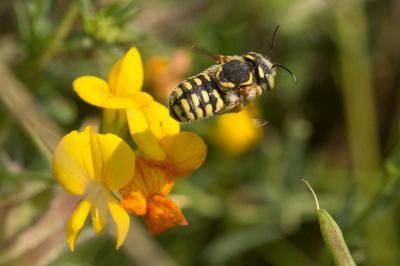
(205, 52)
(259, 123)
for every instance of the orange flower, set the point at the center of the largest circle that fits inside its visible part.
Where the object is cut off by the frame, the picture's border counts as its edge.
(167, 155)
(165, 72)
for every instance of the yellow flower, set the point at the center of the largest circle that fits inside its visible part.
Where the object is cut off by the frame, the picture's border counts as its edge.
(122, 90)
(167, 155)
(237, 132)
(150, 124)
(94, 166)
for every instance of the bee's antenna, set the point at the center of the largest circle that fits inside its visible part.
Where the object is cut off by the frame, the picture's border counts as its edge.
(273, 42)
(287, 69)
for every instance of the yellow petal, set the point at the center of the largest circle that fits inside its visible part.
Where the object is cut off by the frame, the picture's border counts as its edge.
(72, 162)
(137, 99)
(121, 219)
(76, 222)
(185, 152)
(92, 90)
(160, 123)
(126, 76)
(95, 91)
(99, 215)
(96, 152)
(118, 161)
(140, 130)
(148, 125)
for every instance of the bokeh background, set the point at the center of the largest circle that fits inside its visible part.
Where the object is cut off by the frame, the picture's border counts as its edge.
(338, 127)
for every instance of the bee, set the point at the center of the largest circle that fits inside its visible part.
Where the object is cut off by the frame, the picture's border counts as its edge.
(225, 87)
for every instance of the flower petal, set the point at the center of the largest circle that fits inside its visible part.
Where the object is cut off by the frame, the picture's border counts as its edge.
(96, 91)
(150, 178)
(92, 90)
(185, 152)
(150, 124)
(118, 161)
(121, 219)
(76, 222)
(72, 162)
(138, 99)
(126, 76)
(99, 215)
(133, 201)
(163, 214)
(95, 151)
(139, 128)
(160, 122)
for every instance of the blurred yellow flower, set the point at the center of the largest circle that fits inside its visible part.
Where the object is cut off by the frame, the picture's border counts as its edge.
(123, 89)
(237, 132)
(94, 166)
(167, 155)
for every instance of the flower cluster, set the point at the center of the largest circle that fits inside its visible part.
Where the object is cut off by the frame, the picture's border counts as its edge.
(108, 174)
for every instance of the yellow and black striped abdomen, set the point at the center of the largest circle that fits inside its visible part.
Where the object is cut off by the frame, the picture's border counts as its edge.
(196, 98)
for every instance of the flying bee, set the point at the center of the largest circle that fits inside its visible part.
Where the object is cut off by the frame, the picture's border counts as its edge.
(226, 87)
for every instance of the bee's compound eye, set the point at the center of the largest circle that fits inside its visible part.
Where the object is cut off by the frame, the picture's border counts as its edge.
(271, 82)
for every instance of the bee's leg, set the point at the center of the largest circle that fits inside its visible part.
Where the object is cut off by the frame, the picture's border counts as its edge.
(234, 105)
(222, 59)
(237, 109)
(247, 94)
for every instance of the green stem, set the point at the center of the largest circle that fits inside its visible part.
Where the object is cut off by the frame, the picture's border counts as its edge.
(358, 97)
(113, 121)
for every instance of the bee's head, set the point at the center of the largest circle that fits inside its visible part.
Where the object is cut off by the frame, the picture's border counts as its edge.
(268, 73)
(264, 70)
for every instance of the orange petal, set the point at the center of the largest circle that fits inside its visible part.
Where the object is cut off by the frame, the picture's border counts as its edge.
(185, 152)
(149, 178)
(163, 214)
(133, 202)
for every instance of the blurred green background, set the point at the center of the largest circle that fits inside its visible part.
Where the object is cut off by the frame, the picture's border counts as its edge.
(338, 127)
